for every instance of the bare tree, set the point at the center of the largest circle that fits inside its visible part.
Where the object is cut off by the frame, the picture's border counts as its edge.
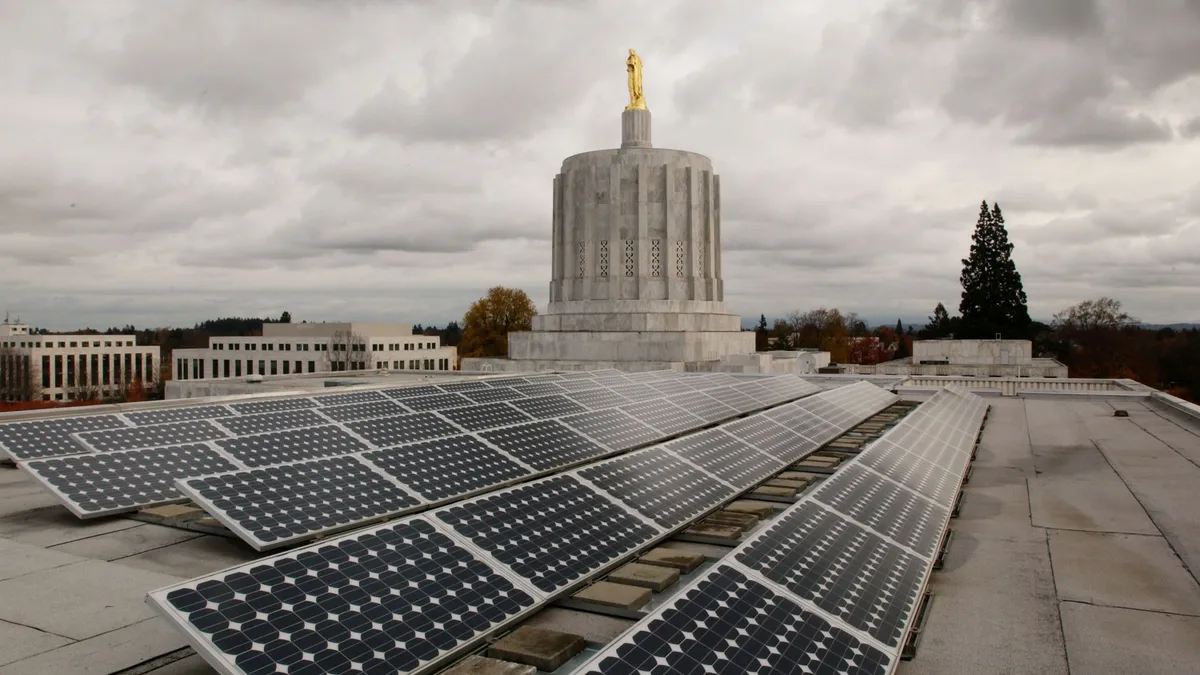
(347, 351)
(85, 386)
(20, 377)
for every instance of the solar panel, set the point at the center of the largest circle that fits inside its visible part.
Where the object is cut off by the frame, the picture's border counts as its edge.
(885, 507)
(804, 423)
(391, 599)
(703, 406)
(437, 402)
(670, 386)
(729, 623)
(595, 399)
(539, 389)
(276, 421)
(387, 431)
(274, 405)
(349, 397)
(271, 506)
(94, 484)
(51, 437)
(544, 445)
(911, 470)
(658, 485)
(637, 392)
(487, 416)
(468, 385)
(730, 459)
(447, 467)
(493, 395)
(132, 438)
(505, 381)
(841, 568)
(613, 428)
(735, 399)
(552, 532)
(200, 412)
(580, 385)
(362, 411)
(663, 416)
(544, 407)
(755, 391)
(291, 445)
(402, 393)
(770, 438)
(578, 375)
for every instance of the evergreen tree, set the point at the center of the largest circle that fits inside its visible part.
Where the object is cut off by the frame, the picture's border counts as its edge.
(761, 334)
(901, 341)
(939, 324)
(286, 317)
(993, 299)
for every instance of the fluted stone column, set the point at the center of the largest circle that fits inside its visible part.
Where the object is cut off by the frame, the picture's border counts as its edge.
(635, 129)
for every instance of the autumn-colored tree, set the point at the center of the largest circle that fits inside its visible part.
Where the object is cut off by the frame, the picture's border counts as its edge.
(135, 392)
(491, 318)
(1099, 339)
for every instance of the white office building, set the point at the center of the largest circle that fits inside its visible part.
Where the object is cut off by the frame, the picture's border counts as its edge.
(299, 348)
(71, 367)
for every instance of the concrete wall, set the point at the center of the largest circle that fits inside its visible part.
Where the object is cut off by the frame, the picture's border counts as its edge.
(1037, 368)
(974, 352)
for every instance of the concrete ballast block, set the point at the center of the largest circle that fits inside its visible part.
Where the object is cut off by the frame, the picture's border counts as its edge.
(543, 649)
(614, 595)
(653, 577)
(665, 557)
(481, 665)
(760, 509)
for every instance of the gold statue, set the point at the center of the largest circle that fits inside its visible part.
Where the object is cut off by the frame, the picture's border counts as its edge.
(633, 65)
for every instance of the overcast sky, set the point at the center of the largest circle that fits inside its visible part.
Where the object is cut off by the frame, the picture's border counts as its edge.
(166, 161)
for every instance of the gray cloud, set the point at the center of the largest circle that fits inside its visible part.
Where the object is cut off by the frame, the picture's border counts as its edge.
(392, 160)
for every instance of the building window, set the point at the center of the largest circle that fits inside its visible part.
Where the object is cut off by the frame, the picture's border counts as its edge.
(312, 366)
(216, 371)
(74, 345)
(58, 371)
(412, 364)
(237, 368)
(226, 369)
(407, 346)
(287, 367)
(107, 343)
(274, 367)
(94, 370)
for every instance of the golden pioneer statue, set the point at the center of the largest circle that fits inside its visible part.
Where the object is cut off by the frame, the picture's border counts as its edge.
(633, 65)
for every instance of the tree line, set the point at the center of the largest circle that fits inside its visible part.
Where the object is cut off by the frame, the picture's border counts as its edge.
(1094, 338)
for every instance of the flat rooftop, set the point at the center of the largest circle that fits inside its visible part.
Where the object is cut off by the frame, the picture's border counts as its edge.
(1076, 551)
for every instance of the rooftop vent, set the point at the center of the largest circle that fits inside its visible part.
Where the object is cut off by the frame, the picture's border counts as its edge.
(1120, 413)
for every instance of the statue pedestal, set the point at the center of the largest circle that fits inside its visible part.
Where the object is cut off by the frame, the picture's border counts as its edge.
(635, 129)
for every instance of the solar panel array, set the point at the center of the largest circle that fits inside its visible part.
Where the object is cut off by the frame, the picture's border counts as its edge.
(248, 436)
(377, 598)
(832, 585)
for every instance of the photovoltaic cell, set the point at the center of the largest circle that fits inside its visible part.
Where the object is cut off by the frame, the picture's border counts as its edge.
(544, 445)
(402, 393)
(637, 392)
(493, 395)
(349, 397)
(281, 503)
(764, 435)
(730, 459)
(703, 406)
(840, 567)
(613, 428)
(539, 389)
(487, 416)
(447, 467)
(388, 600)
(468, 385)
(437, 402)
(545, 407)
(95, 484)
(735, 399)
(505, 381)
(132, 438)
(911, 470)
(658, 485)
(887, 508)
(663, 416)
(672, 386)
(728, 623)
(552, 532)
(388, 431)
(276, 421)
(580, 385)
(362, 411)
(51, 437)
(597, 399)
(200, 412)
(274, 405)
(290, 446)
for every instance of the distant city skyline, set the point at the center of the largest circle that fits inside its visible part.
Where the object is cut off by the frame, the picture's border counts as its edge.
(383, 161)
